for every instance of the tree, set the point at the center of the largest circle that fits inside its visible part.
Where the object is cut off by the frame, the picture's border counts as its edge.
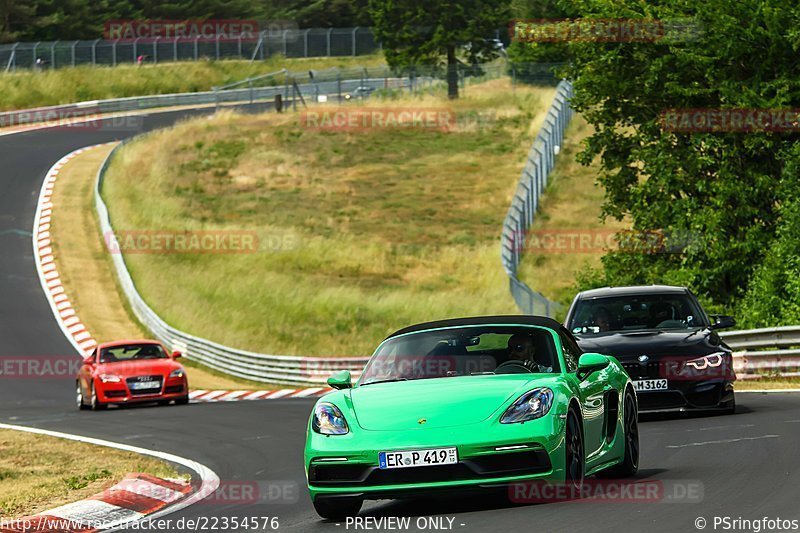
(716, 190)
(16, 16)
(426, 33)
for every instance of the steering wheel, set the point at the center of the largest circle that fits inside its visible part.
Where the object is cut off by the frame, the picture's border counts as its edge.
(515, 367)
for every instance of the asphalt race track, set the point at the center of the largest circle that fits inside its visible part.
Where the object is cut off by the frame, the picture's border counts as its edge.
(746, 465)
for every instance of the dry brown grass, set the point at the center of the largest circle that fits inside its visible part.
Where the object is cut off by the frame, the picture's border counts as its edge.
(39, 472)
(388, 227)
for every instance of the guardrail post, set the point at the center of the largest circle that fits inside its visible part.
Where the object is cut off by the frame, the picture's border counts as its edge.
(330, 31)
(155, 50)
(94, 52)
(285, 44)
(355, 40)
(175, 49)
(305, 43)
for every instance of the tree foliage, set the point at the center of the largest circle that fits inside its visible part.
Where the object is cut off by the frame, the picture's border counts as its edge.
(435, 33)
(717, 195)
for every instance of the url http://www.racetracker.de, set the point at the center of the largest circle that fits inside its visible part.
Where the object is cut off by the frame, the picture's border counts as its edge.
(202, 523)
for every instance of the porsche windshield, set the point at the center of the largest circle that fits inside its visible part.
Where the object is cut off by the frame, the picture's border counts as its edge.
(464, 351)
(636, 312)
(132, 352)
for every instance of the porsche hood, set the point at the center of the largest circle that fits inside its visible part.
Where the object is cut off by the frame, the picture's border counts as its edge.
(438, 402)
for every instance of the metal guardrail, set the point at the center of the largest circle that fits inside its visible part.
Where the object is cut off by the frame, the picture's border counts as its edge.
(334, 82)
(294, 43)
(765, 351)
(532, 183)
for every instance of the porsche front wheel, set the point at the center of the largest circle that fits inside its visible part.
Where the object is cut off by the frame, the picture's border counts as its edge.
(574, 465)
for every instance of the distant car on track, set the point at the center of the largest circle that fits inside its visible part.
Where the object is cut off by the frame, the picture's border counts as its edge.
(666, 342)
(362, 91)
(470, 404)
(127, 372)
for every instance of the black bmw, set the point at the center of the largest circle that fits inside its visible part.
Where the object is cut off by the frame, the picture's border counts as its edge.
(667, 343)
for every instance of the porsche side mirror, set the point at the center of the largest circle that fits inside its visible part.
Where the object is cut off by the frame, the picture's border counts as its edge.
(341, 380)
(722, 321)
(176, 354)
(589, 363)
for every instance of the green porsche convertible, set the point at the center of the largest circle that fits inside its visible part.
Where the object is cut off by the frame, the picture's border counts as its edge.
(466, 404)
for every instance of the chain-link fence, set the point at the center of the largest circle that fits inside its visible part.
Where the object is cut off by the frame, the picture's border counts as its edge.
(541, 160)
(312, 42)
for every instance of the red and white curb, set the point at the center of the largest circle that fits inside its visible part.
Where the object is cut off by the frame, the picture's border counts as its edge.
(63, 311)
(204, 396)
(132, 499)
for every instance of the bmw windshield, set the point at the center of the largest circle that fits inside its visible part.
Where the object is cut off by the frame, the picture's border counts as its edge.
(465, 351)
(636, 312)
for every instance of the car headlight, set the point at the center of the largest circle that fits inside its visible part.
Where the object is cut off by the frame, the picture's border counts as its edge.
(328, 420)
(177, 373)
(110, 378)
(530, 406)
(707, 361)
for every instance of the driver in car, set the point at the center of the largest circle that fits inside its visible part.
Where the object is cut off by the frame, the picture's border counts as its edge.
(522, 351)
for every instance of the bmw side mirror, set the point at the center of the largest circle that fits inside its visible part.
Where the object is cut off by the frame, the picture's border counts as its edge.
(589, 363)
(722, 321)
(341, 380)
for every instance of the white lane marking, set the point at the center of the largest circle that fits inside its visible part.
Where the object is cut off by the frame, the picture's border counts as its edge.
(209, 480)
(724, 441)
(766, 391)
(154, 491)
(87, 512)
(306, 392)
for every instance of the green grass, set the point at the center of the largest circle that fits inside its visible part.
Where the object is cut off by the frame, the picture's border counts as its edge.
(382, 228)
(27, 89)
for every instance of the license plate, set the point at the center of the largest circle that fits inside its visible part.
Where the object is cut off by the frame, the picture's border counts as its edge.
(650, 384)
(145, 385)
(411, 458)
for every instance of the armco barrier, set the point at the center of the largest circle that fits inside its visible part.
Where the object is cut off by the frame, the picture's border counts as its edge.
(532, 183)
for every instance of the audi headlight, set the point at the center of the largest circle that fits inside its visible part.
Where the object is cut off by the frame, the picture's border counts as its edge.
(328, 420)
(110, 378)
(177, 373)
(708, 361)
(530, 406)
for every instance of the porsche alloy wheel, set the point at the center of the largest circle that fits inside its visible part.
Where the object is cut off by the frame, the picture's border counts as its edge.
(574, 465)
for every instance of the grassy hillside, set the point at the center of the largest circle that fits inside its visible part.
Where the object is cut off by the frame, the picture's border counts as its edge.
(365, 231)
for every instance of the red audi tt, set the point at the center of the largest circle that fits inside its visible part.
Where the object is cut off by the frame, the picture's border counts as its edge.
(131, 372)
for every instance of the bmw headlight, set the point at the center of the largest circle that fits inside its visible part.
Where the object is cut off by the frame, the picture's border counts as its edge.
(709, 361)
(177, 373)
(530, 406)
(328, 420)
(110, 378)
